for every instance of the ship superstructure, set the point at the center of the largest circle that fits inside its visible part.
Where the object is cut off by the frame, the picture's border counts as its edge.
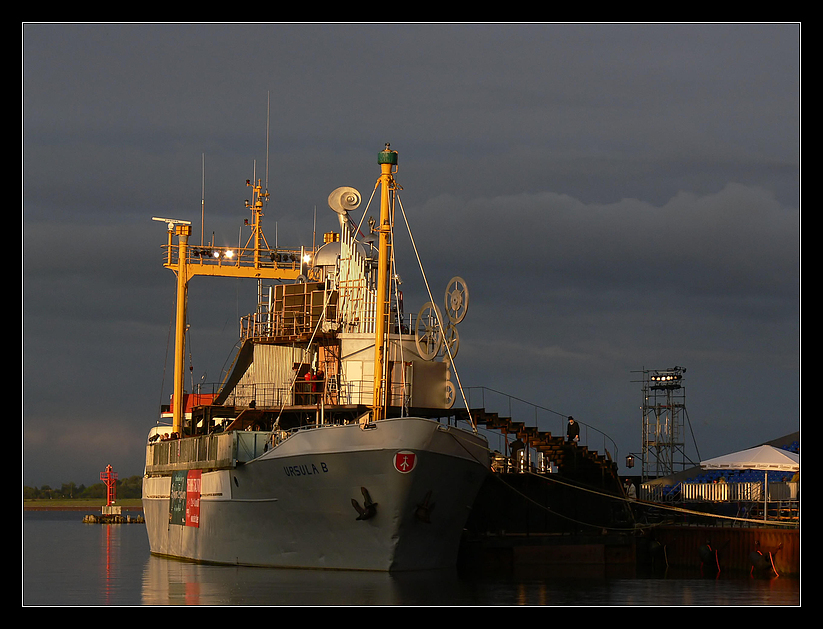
(324, 446)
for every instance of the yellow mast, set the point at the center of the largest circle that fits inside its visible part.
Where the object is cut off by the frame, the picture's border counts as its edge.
(217, 262)
(388, 161)
(183, 233)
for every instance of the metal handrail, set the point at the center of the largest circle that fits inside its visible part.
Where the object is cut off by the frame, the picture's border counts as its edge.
(513, 403)
(209, 255)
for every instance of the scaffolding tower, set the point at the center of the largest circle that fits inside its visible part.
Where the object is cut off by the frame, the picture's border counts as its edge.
(664, 412)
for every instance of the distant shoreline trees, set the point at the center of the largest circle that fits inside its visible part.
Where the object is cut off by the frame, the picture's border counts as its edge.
(130, 487)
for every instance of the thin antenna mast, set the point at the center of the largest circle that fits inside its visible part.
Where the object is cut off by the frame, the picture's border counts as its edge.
(268, 110)
(203, 200)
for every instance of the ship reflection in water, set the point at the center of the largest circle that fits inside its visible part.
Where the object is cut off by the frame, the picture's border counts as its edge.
(173, 582)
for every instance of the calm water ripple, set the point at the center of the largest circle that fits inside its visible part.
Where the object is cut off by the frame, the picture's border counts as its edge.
(67, 562)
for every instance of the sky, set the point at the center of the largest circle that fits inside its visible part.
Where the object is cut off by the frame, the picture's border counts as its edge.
(617, 197)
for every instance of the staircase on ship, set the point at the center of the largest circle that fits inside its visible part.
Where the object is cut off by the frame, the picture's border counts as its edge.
(584, 495)
(570, 459)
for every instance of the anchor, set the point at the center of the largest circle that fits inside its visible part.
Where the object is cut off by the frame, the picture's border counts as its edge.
(369, 508)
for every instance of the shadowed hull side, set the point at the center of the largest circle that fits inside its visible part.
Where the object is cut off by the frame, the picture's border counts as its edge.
(293, 506)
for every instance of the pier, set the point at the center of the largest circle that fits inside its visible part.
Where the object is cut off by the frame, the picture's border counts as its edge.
(579, 519)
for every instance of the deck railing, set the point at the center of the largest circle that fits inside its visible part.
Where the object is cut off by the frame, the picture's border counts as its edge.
(216, 451)
(241, 257)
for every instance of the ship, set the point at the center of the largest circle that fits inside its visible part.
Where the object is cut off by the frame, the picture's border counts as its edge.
(331, 442)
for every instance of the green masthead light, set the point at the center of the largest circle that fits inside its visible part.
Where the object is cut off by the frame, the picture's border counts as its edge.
(387, 156)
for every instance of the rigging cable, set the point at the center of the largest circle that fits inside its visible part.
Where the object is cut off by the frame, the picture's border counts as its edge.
(345, 298)
(276, 423)
(437, 311)
(399, 322)
(554, 478)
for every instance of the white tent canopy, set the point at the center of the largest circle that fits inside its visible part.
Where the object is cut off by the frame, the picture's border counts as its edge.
(760, 458)
(763, 458)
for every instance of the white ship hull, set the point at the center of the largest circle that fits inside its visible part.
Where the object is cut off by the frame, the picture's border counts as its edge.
(292, 507)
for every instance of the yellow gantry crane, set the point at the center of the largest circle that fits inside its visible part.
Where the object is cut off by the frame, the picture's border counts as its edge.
(257, 261)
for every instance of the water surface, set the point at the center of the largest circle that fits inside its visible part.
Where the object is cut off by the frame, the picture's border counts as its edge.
(67, 562)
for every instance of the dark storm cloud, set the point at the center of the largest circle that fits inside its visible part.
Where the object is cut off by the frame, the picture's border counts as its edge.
(616, 196)
(737, 240)
(584, 272)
